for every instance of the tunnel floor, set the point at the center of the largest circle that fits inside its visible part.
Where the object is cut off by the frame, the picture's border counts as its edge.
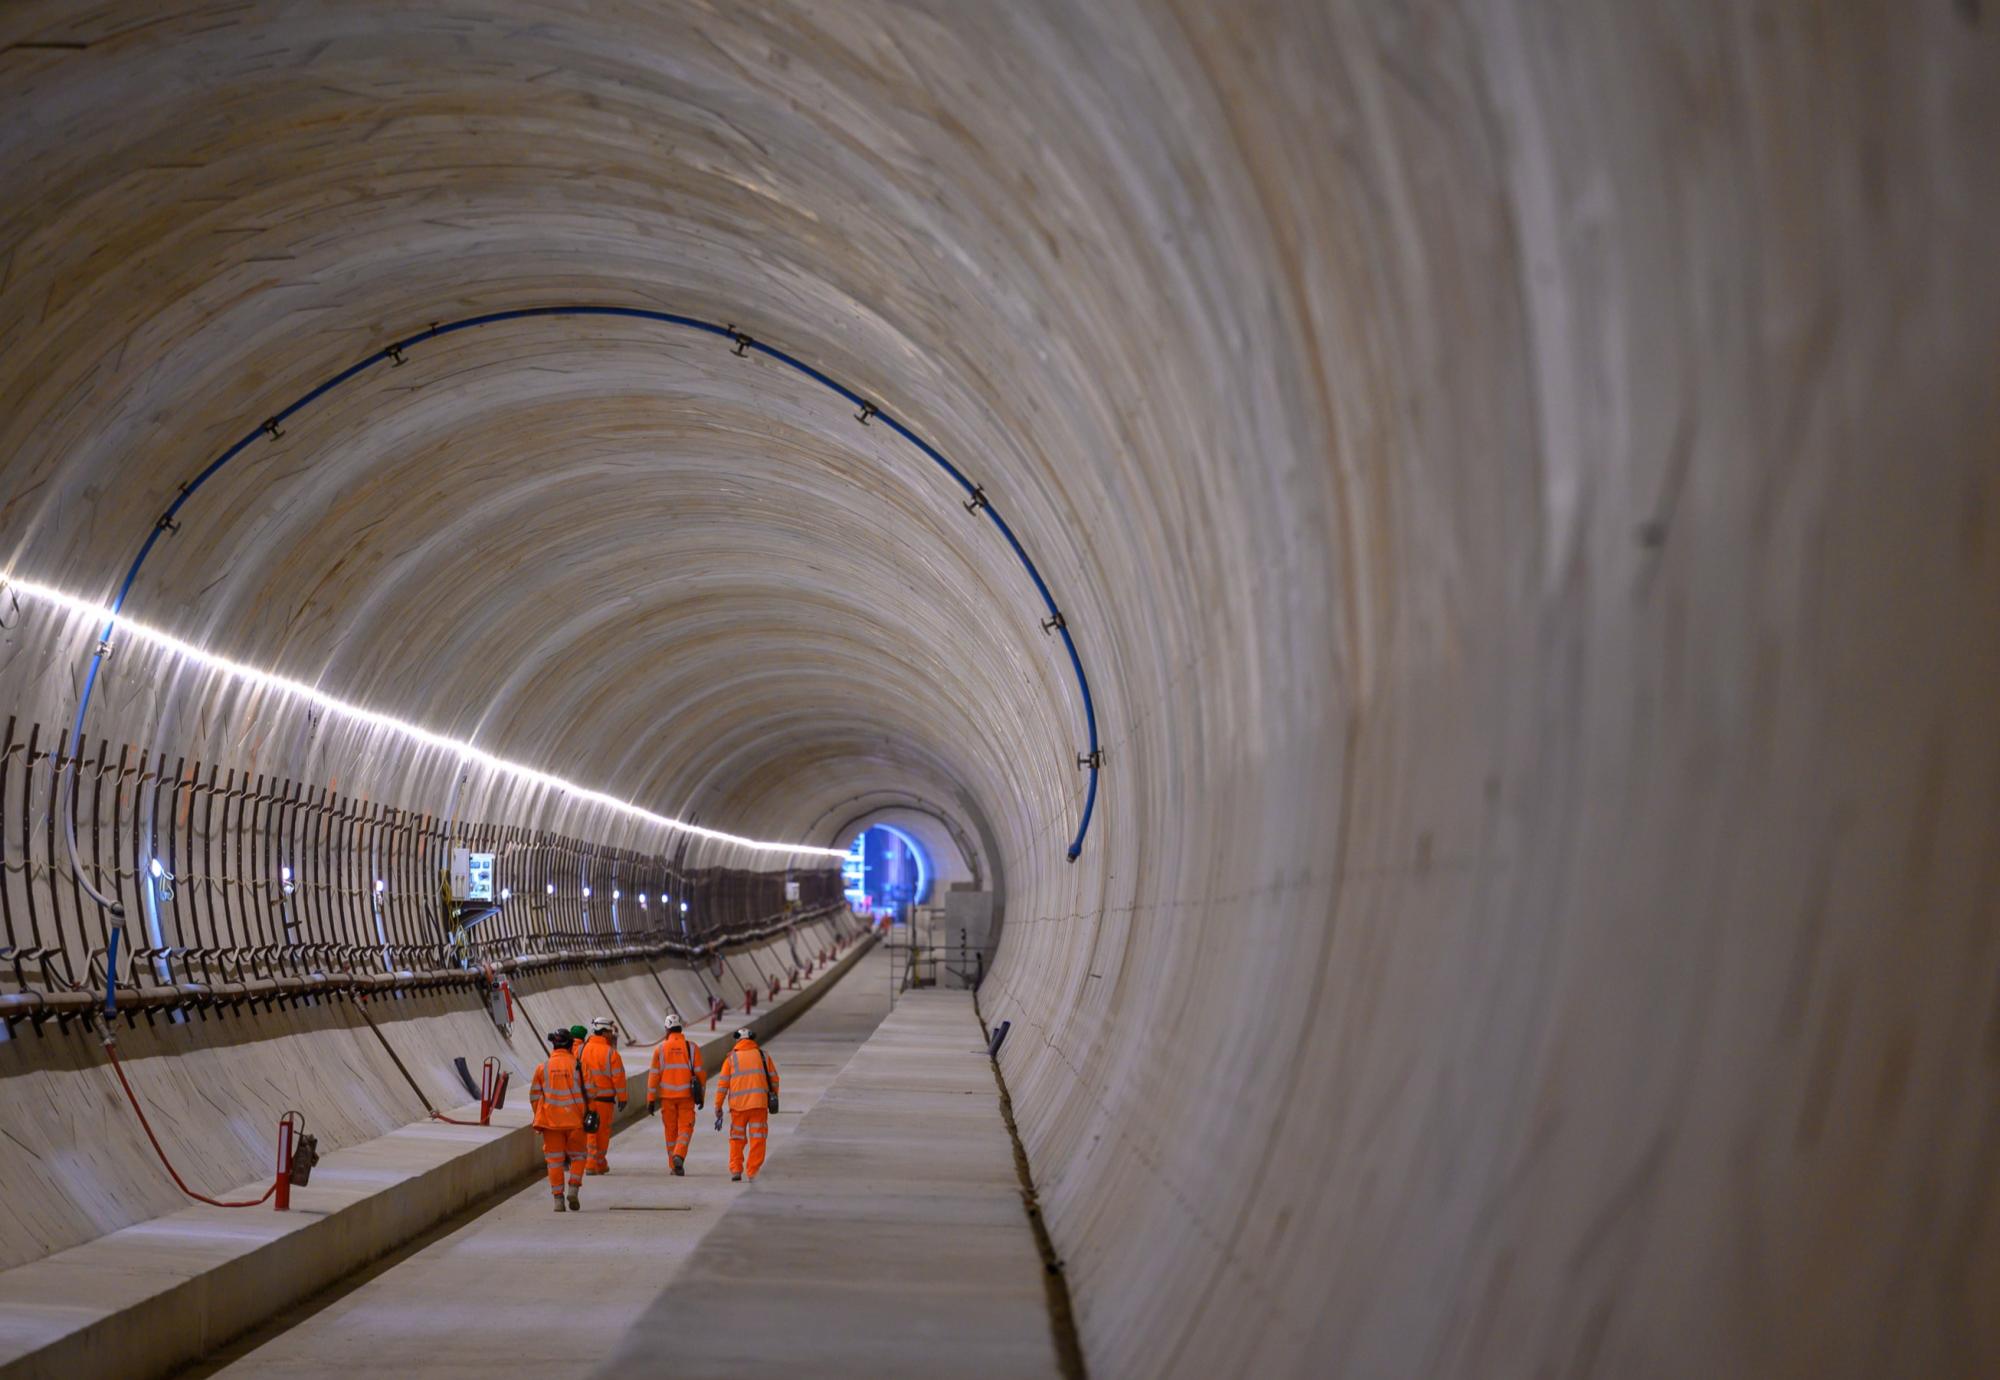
(862, 1200)
(896, 1244)
(519, 1287)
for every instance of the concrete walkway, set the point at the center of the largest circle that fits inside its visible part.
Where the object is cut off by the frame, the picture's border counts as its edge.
(519, 1290)
(887, 1239)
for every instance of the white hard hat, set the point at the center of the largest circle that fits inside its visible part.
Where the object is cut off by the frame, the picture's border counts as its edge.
(673, 1020)
(601, 1023)
(743, 1033)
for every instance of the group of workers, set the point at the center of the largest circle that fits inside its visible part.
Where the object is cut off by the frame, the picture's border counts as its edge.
(579, 1089)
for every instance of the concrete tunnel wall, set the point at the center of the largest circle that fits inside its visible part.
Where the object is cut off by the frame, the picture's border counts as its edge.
(76, 1166)
(1521, 476)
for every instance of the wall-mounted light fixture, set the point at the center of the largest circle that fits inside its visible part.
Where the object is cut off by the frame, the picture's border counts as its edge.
(163, 880)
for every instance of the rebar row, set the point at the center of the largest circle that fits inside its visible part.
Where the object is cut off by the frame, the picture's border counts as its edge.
(228, 876)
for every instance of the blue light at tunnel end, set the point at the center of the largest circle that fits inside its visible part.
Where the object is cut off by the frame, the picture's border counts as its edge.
(854, 867)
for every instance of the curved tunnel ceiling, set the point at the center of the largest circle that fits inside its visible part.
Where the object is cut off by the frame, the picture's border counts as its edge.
(595, 542)
(1522, 477)
(681, 483)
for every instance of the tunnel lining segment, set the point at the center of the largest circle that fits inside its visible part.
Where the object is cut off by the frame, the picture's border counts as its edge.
(1091, 760)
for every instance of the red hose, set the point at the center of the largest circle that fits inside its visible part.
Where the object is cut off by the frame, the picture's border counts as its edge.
(111, 1048)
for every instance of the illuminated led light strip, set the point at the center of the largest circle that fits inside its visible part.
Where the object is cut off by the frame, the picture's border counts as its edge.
(265, 680)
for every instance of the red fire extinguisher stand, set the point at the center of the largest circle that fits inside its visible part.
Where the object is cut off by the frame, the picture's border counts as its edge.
(290, 1126)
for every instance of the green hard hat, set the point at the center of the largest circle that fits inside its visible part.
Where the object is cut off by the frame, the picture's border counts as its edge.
(578, 1031)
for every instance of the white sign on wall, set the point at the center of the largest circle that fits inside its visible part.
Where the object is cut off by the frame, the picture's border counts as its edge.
(471, 875)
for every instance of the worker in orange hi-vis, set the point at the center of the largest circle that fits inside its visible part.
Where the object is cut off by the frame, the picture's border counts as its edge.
(556, 1095)
(673, 1088)
(747, 1084)
(603, 1088)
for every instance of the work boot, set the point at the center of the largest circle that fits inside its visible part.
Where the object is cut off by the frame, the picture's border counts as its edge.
(559, 1202)
(736, 1178)
(574, 1205)
(680, 1167)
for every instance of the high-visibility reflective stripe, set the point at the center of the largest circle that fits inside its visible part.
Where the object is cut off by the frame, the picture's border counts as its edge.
(555, 1094)
(603, 1069)
(558, 1083)
(746, 1085)
(672, 1074)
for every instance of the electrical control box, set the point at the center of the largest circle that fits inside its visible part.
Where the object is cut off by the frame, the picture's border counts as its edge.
(471, 875)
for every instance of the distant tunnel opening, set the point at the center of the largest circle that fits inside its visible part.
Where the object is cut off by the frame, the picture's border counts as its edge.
(887, 872)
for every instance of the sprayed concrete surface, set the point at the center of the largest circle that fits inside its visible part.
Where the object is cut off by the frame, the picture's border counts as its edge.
(895, 1244)
(520, 1290)
(1521, 474)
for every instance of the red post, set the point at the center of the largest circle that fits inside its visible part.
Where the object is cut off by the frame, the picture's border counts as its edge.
(507, 986)
(749, 1000)
(282, 1194)
(488, 1083)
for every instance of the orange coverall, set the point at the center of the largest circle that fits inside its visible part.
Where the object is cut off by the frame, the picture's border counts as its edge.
(604, 1089)
(675, 1074)
(747, 1079)
(556, 1094)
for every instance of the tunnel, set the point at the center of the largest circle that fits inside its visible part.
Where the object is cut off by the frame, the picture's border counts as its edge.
(1430, 573)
